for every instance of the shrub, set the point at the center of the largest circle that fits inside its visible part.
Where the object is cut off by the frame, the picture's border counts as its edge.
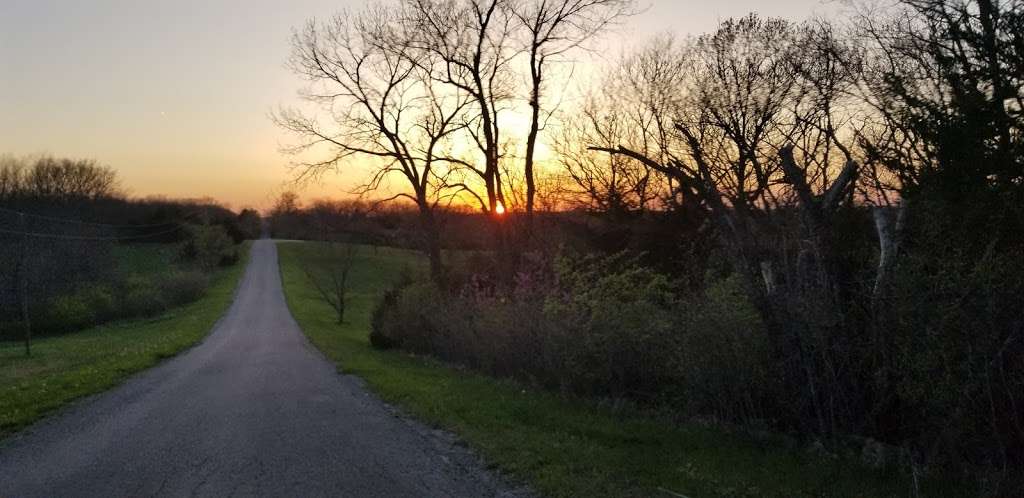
(958, 357)
(484, 332)
(383, 320)
(602, 326)
(403, 319)
(144, 301)
(80, 309)
(183, 287)
(68, 313)
(208, 246)
(102, 301)
(724, 355)
(616, 325)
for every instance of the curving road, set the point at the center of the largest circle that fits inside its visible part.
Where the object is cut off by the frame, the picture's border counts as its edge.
(252, 411)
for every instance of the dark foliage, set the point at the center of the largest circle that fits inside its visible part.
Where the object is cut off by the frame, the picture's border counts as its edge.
(838, 278)
(65, 229)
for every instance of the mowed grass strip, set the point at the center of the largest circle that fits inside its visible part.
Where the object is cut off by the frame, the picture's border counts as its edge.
(63, 368)
(560, 446)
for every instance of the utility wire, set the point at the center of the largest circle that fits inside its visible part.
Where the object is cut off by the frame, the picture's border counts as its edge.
(89, 223)
(89, 238)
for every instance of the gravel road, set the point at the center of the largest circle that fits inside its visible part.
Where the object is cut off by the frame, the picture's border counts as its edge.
(254, 410)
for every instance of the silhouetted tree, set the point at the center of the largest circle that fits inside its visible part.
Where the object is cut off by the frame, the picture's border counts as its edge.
(554, 28)
(330, 275)
(396, 117)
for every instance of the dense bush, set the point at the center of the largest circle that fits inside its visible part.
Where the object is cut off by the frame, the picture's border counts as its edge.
(208, 246)
(67, 313)
(382, 317)
(955, 334)
(182, 287)
(939, 375)
(615, 325)
(148, 279)
(144, 301)
(102, 300)
(135, 296)
(724, 357)
(77, 309)
(600, 326)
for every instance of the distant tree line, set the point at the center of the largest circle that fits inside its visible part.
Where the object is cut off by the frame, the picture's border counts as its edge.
(372, 223)
(89, 194)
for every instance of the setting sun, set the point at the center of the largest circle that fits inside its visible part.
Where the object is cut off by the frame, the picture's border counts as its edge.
(499, 209)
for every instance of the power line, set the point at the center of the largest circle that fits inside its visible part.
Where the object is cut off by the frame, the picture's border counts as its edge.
(89, 238)
(89, 223)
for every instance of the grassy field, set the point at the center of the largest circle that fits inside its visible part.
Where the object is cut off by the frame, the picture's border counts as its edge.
(562, 447)
(63, 368)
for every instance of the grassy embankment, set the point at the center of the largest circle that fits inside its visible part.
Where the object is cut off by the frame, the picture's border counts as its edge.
(65, 367)
(562, 447)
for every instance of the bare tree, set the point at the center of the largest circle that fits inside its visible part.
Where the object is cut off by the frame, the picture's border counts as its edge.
(287, 203)
(470, 48)
(11, 174)
(57, 179)
(746, 123)
(944, 79)
(947, 74)
(283, 215)
(330, 275)
(554, 28)
(741, 122)
(385, 108)
(710, 111)
(606, 183)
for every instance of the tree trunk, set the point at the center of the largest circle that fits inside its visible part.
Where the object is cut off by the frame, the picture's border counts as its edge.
(432, 248)
(531, 139)
(889, 225)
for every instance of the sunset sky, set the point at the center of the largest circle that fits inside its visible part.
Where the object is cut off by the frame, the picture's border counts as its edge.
(175, 95)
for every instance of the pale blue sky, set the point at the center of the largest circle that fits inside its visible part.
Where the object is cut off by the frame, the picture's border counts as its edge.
(175, 94)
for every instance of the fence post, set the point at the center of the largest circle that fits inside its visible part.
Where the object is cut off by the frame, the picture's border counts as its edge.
(23, 276)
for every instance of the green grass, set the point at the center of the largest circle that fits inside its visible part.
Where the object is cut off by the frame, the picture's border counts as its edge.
(63, 368)
(560, 446)
(146, 259)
